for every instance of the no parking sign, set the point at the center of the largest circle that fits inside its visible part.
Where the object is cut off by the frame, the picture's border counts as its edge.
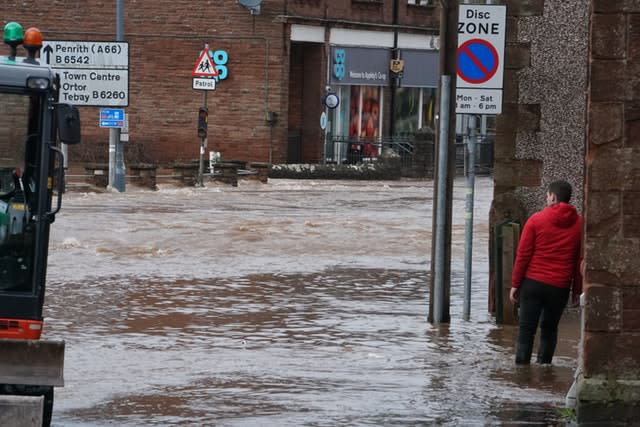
(480, 59)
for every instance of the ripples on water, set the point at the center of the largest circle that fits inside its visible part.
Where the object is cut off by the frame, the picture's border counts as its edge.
(339, 347)
(167, 322)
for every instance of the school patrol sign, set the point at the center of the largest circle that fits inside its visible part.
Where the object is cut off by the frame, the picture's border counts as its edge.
(480, 59)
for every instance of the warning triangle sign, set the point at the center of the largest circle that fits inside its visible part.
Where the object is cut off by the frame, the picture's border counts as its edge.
(205, 66)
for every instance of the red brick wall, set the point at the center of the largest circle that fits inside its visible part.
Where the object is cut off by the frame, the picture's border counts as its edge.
(612, 284)
(366, 11)
(165, 38)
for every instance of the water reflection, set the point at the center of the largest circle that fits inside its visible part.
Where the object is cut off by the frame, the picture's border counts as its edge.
(287, 304)
(337, 347)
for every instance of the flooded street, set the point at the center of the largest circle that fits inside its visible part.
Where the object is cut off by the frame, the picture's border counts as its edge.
(282, 304)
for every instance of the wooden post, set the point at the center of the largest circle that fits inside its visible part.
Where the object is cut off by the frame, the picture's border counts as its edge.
(510, 239)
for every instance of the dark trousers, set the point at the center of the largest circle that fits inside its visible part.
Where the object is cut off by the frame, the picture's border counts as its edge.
(539, 303)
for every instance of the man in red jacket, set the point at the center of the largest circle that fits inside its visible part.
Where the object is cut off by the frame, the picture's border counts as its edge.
(546, 269)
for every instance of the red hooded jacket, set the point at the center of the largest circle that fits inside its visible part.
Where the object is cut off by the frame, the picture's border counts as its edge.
(550, 248)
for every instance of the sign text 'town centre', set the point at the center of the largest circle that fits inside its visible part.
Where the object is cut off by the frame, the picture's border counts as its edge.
(91, 73)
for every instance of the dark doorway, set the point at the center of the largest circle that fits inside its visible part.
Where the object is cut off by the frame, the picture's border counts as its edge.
(305, 141)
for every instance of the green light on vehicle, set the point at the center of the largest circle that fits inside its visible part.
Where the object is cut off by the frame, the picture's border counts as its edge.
(13, 34)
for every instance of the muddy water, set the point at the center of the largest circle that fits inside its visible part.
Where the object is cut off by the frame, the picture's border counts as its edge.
(291, 303)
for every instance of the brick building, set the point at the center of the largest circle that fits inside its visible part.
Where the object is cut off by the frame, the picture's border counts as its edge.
(268, 107)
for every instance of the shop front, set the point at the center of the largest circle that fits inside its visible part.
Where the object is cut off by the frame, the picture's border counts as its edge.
(415, 94)
(362, 79)
(358, 76)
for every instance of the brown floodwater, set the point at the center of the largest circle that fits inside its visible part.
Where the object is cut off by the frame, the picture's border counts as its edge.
(286, 304)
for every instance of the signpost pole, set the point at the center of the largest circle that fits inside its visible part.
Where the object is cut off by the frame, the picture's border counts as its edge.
(116, 149)
(203, 145)
(440, 261)
(439, 307)
(468, 215)
(204, 75)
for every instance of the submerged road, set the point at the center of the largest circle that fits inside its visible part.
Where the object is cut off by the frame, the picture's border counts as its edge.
(282, 304)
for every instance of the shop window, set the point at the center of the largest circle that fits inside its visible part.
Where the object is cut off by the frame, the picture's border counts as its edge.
(357, 123)
(414, 109)
(364, 114)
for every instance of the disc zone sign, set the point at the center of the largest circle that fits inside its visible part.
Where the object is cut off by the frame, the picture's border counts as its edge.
(480, 59)
(477, 61)
(481, 38)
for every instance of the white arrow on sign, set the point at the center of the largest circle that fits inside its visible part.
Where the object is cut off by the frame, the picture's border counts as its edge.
(81, 54)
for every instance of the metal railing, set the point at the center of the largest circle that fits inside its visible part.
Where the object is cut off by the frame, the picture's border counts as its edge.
(350, 150)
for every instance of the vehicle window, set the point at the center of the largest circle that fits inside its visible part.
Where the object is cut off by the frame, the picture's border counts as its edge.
(17, 235)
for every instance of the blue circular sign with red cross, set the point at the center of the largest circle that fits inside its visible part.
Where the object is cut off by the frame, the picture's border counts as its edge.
(477, 61)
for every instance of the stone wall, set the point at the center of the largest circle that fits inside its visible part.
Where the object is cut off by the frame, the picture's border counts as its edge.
(540, 135)
(608, 387)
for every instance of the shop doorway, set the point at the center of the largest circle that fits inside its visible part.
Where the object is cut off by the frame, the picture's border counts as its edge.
(305, 141)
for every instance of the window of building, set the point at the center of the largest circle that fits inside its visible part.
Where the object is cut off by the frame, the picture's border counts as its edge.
(420, 2)
(414, 109)
(364, 115)
(357, 121)
(359, 114)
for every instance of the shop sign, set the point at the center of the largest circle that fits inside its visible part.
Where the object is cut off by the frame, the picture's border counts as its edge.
(360, 66)
(420, 68)
(323, 120)
(396, 66)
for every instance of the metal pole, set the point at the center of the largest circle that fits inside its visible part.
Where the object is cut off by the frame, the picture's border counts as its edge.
(468, 217)
(112, 158)
(441, 202)
(203, 144)
(119, 20)
(327, 129)
(116, 150)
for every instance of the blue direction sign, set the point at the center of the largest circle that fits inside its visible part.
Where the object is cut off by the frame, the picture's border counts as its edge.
(112, 117)
(477, 61)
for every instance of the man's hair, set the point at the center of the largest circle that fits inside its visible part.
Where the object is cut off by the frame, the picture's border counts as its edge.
(562, 190)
